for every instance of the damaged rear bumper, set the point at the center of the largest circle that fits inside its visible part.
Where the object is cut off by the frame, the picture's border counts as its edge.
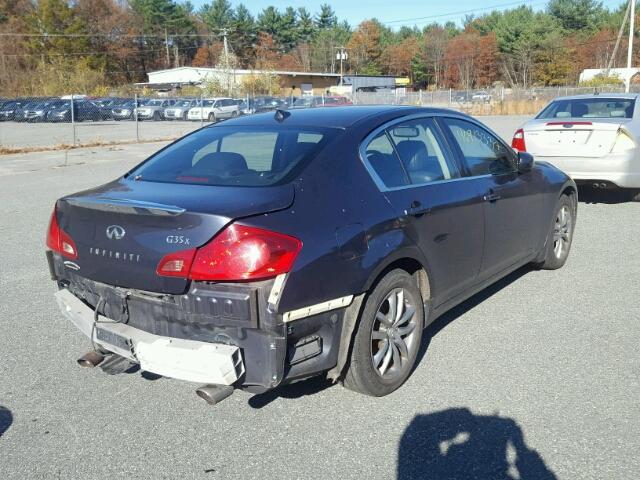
(214, 333)
(188, 360)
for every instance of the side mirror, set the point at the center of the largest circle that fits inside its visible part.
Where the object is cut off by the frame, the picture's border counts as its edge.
(525, 162)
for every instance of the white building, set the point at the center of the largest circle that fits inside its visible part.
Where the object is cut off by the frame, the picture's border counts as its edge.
(624, 74)
(294, 83)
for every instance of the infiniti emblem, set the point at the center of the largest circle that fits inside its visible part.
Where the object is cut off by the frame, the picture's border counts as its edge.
(115, 232)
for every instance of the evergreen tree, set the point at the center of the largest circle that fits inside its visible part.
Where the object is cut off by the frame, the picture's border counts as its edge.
(217, 15)
(326, 18)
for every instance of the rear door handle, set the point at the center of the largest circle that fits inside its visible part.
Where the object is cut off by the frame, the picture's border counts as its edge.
(416, 209)
(491, 197)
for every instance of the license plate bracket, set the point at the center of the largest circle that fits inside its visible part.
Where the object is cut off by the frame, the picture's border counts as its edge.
(113, 339)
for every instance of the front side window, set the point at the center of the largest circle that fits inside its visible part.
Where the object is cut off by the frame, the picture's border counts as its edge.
(235, 156)
(422, 155)
(483, 153)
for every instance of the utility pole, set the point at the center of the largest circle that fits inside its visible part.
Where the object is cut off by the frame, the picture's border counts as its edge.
(615, 48)
(226, 46)
(632, 17)
(341, 55)
(166, 45)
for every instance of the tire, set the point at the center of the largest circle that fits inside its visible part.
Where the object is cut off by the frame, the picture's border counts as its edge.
(632, 194)
(234, 114)
(212, 117)
(560, 237)
(374, 373)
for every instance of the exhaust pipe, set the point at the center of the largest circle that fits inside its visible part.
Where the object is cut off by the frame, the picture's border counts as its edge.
(596, 185)
(90, 359)
(213, 394)
(603, 186)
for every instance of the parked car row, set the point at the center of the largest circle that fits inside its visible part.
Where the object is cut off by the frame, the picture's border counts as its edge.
(55, 109)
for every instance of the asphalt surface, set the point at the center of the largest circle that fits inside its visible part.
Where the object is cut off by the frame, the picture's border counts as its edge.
(535, 378)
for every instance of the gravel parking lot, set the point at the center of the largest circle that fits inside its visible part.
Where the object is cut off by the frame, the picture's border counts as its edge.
(535, 378)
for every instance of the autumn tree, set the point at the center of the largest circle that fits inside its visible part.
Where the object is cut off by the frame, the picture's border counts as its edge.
(365, 49)
(396, 59)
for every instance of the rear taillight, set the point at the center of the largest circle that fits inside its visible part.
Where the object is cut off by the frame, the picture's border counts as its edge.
(518, 141)
(624, 142)
(176, 264)
(237, 253)
(58, 240)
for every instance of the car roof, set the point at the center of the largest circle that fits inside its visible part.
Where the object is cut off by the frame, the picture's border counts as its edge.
(340, 117)
(631, 96)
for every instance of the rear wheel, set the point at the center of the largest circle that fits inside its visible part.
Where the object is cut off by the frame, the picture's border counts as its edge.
(211, 117)
(560, 236)
(388, 336)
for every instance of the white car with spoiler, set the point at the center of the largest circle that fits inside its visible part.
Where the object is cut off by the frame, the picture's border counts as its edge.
(593, 138)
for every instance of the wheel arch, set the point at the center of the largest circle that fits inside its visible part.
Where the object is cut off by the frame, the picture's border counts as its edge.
(410, 263)
(408, 260)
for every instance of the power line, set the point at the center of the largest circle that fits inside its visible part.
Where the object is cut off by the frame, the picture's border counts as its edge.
(463, 12)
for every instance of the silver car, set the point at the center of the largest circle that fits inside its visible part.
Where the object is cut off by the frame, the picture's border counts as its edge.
(593, 138)
(179, 110)
(153, 109)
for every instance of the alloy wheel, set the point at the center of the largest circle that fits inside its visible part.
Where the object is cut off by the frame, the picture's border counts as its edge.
(562, 231)
(393, 336)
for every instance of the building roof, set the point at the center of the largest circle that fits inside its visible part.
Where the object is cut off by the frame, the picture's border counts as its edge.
(248, 72)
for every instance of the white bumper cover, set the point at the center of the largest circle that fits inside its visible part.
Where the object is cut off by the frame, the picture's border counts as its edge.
(622, 169)
(188, 360)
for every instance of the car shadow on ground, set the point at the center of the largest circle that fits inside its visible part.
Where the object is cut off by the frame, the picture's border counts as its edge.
(6, 419)
(456, 444)
(317, 384)
(612, 197)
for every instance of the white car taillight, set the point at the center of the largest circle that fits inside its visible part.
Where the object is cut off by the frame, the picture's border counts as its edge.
(624, 142)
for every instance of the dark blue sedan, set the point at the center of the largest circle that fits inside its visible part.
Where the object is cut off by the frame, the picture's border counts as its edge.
(272, 248)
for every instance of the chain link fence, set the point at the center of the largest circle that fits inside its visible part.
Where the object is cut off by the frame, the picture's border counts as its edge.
(39, 123)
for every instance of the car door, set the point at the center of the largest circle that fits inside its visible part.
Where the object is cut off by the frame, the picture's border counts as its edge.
(512, 205)
(226, 106)
(443, 213)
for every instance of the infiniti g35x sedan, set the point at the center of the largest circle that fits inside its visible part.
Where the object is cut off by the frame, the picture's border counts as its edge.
(284, 245)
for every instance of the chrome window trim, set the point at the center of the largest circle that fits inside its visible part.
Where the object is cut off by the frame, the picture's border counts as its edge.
(362, 150)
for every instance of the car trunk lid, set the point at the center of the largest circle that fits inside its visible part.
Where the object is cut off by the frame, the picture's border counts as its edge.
(580, 137)
(123, 229)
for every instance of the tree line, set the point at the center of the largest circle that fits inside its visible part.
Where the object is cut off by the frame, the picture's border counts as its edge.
(51, 46)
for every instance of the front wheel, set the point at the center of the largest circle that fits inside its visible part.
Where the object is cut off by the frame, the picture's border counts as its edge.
(560, 236)
(212, 117)
(388, 336)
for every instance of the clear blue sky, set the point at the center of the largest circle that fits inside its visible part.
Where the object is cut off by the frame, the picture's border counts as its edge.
(390, 10)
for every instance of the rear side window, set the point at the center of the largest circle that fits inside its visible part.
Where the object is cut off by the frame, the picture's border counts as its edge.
(240, 156)
(422, 155)
(483, 153)
(382, 158)
(589, 108)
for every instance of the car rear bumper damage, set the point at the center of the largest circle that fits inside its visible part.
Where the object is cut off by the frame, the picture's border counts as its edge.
(188, 360)
(220, 334)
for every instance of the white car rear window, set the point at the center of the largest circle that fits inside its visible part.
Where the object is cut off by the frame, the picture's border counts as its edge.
(589, 108)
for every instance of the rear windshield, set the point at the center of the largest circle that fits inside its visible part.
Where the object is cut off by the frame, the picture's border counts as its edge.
(239, 156)
(589, 108)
